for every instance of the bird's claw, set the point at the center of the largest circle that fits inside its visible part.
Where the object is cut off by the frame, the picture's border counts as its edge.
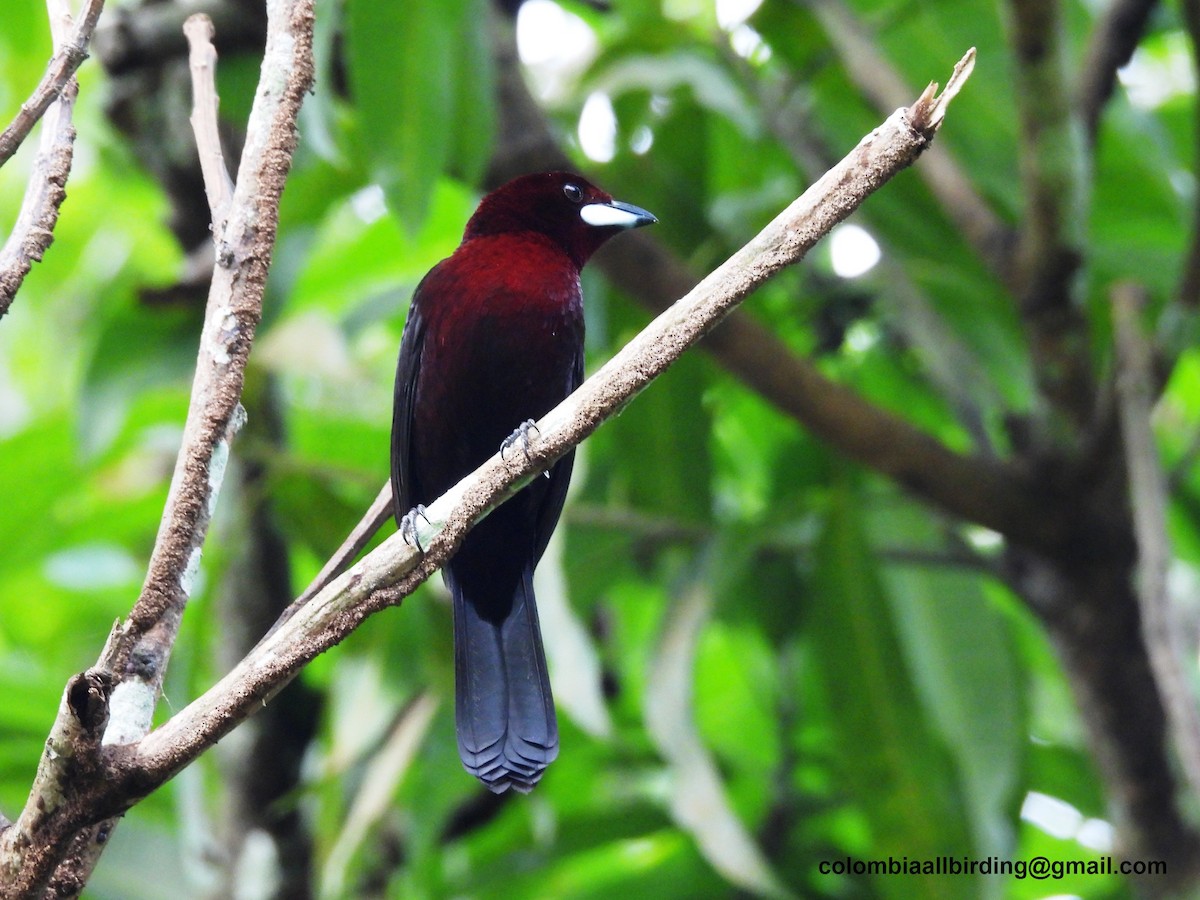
(408, 526)
(520, 436)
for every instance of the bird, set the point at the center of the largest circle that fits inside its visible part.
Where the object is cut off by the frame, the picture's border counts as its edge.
(494, 339)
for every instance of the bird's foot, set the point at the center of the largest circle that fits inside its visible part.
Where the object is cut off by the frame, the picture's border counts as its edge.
(519, 437)
(408, 526)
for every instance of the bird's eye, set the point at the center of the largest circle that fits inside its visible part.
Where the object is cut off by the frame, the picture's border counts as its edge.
(573, 193)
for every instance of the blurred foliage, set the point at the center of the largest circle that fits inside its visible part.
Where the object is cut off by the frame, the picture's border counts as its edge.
(850, 679)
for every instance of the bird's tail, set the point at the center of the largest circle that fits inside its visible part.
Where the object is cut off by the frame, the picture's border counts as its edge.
(507, 732)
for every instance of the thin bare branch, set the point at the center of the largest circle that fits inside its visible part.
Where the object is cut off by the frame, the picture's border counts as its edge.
(147, 35)
(360, 535)
(1161, 630)
(68, 56)
(202, 60)
(34, 229)
(379, 512)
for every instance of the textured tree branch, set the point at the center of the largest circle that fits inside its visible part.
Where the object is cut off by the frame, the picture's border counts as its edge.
(136, 656)
(69, 53)
(202, 59)
(1161, 630)
(34, 229)
(971, 487)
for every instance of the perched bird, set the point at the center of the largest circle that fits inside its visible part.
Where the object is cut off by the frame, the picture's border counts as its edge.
(494, 339)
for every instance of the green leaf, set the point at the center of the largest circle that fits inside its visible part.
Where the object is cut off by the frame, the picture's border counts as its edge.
(889, 753)
(474, 86)
(966, 671)
(167, 342)
(422, 100)
(667, 421)
(709, 82)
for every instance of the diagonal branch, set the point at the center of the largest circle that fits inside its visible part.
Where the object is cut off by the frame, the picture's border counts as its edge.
(202, 60)
(69, 54)
(33, 231)
(975, 488)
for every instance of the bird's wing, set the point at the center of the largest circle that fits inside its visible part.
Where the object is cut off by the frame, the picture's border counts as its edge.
(404, 402)
(560, 479)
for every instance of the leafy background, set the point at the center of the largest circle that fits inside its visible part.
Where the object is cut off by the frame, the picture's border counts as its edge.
(765, 655)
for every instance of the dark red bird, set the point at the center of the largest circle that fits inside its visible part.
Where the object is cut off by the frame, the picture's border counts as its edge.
(494, 338)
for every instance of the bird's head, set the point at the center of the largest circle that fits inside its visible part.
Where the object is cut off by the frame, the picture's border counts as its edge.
(568, 209)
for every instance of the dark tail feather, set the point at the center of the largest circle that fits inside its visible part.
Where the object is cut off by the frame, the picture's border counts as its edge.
(507, 732)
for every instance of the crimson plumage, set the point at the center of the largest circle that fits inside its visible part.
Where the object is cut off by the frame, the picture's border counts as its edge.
(494, 338)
